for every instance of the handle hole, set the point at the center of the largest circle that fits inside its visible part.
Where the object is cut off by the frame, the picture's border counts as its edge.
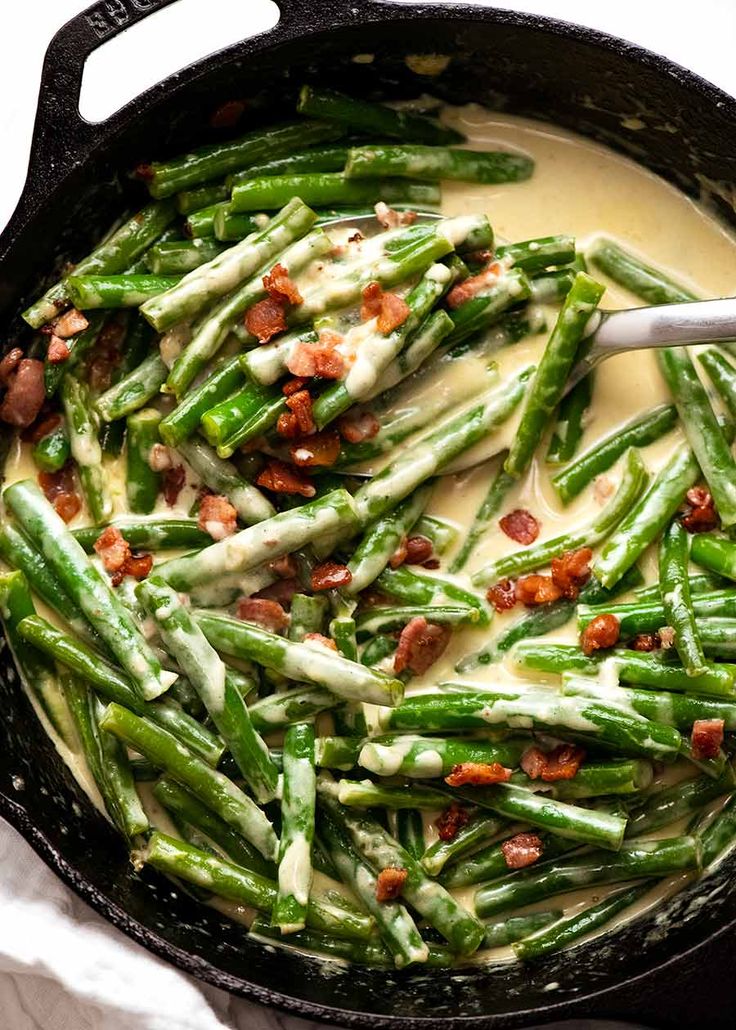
(122, 68)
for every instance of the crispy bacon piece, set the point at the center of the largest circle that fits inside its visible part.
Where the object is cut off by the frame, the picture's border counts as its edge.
(58, 351)
(600, 633)
(228, 114)
(54, 484)
(562, 763)
(284, 567)
(300, 405)
(280, 287)
(173, 483)
(294, 385)
(330, 575)
(645, 642)
(144, 171)
(701, 515)
(520, 525)
(112, 548)
(138, 565)
(451, 821)
(390, 219)
(502, 595)
(320, 638)
(706, 738)
(320, 450)
(355, 427)
(421, 643)
(217, 516)
(474, 285)
(317, 359)
(265, 319)
(9, 363)
(571, 571)
(106, 355)
(25, 394)
(70, 323)
(282, 590)
(418, 550)
(535, 590)
(399, 556)
(67, 506)
(389, 310)
(522, 850)
(477, 774)
(285, 479)
(433, 563)
(390, 883)
(533, 762)
(264, 612)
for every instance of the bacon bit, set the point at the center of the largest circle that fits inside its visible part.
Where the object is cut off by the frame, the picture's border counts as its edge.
(702, 515)
(390, 219)
(58, 351)
(284, 567)
(562, 763)
(535, 590)
(646, 642)
(159, 457)
(502, 595)
(113, 549)
(227, 115)
(601, 632)
(9, 363)
(173, 484)
(666, 636)
(388, 309)
(477, 774)
(419, 550)
(321, 449)
(282, 590)
(533, 762)
(54, 484)
(420, 645)
(706, 738)
(451, 821)
(144, 171)
(316, 359)
(280, 287)
(25, 395)
(41, 429)
(399, 556)
(520, 525)
(69, 324)
(330, 575)
(433, 563)
(571, 571)
(138, 565)
(300, 403)
(321, 639)
(522, 850)
(67, 506)
(474, 285)
(390, 883)
(217, 516)
(265, 319)
(357, 237)
(285, 479)
(294, 385)
(106, 355)
(265, 612)
(359, 426)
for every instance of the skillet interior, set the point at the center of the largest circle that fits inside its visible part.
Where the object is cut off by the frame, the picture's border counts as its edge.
(522, 64)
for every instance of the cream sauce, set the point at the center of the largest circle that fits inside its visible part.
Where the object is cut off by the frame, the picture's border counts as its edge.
(580, 188)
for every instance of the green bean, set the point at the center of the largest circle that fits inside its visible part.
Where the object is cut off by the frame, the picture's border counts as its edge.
(223, 478)
(295, 705)
(714, 553)
(147, 534)
(422, 162)
(410, 831)
(181, 256)
(494, 498)
(381, 540)
(536, 623)
(675, 589)
(231, 226)
(647, 617)
(115, 254)
(381, 620)
(85, 447)
(219, 159)
(432, 757)
(324, 188)
(678, 802)
(134, 391)
(142, 482)
(87, 587)
(184, 419)
(490, 863)
(201, 196)
(485, 309)
(516, 928)
(441, 533)
(242, 417)
(478, 831)
(719, 833)
(568, 430)
(655, 858)
(570, 928)
(537, 254)
(116, 291)
(373, 119)
(630, 489)
(337, 752)
(367, 794)
(52, 451)
(297, 829)
(646, 281)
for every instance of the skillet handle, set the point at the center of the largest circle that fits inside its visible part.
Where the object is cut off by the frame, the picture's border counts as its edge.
(59, 131)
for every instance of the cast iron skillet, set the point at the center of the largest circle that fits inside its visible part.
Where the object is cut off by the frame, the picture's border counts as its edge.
(655, 970)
